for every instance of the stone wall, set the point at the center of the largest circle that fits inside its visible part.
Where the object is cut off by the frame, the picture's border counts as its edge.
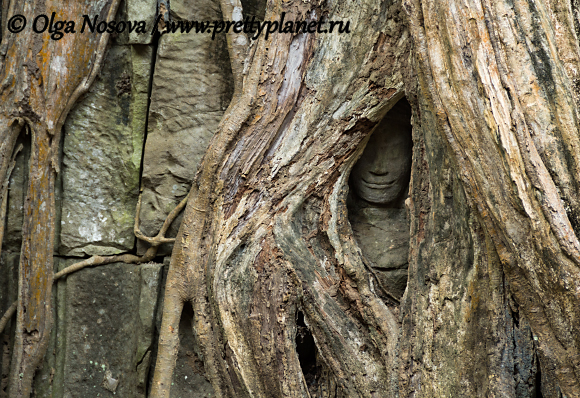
(143, 126)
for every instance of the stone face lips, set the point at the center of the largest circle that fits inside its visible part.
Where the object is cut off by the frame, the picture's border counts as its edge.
(102, 156)
(192, 87)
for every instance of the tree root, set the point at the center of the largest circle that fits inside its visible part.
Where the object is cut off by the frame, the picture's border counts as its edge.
(11, 311)
(149, 255)
(238, 44)
(160, 238)
(44, 114)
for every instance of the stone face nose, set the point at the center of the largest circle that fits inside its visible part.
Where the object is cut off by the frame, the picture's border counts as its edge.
(379, 170)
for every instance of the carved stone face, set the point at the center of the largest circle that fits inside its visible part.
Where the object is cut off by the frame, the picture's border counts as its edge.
(382, 173)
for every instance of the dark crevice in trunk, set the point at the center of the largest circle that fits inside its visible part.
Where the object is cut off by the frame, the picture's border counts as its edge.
(6, 347)
(307, 353)
(538, 383)
(18, 182)
(254, 8)
(11, 244)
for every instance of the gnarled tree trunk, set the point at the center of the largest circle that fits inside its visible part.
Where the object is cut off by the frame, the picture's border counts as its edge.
(265, 253)
(265, 235)
(40, 80)
(498, 79)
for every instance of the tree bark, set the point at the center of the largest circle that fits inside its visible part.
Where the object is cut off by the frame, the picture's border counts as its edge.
(267, 221)
(265, 234)
(265, 253)
(497, 79)
(38, 88)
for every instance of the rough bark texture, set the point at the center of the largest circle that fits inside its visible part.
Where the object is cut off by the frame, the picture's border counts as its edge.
(462, 334)
(265, 234)
(268, 292)
(38, 88)
(497, 78)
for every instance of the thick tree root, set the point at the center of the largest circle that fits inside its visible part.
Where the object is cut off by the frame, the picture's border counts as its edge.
(149, 255)
(11, 311)
(168, 341)
(44, 111)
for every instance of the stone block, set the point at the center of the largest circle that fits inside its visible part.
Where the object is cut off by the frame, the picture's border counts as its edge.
(192, 87)
(103, 332)
(134, 11)
(141, 10)
(103, 144)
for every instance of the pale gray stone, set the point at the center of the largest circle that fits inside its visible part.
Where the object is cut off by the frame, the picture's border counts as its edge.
(133, 12)
(191, 89)
(103, 332)
(102, 157)
(141, 10)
